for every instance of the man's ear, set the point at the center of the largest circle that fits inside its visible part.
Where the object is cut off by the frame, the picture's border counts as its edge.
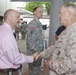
(69, 13)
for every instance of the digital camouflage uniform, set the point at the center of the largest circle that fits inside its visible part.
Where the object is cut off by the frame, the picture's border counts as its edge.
(23, 30)
(34, 44)
(63, 53)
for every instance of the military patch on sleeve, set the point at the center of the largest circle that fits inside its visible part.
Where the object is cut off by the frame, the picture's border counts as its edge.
(32, 27)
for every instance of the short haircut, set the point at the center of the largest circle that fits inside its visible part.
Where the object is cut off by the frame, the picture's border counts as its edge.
(36, 8)
(8, 12)
(70, 5)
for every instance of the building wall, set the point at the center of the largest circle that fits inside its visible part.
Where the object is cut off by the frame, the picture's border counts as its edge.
(6, 4)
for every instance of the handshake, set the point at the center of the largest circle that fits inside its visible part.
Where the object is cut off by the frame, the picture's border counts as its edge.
(47, 62)
(36, 56)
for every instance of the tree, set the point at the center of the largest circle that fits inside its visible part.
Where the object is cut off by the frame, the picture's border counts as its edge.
(31, 5)
(47, 4)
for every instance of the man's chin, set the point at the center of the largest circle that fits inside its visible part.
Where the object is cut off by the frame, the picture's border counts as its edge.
(17, 25)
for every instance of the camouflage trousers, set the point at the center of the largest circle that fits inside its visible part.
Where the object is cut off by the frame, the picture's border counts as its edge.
(35, 67)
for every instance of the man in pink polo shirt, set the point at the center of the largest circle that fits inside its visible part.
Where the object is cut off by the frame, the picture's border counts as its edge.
(9, 53)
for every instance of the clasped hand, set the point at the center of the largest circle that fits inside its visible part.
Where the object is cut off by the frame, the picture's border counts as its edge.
(36, 55)
(47, 63)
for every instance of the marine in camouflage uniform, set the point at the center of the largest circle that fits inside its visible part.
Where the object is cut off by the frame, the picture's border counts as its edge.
(63, 53)
(34, 44)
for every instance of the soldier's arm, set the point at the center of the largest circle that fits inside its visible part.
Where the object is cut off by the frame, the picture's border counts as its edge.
(30, 35)
(47, 52)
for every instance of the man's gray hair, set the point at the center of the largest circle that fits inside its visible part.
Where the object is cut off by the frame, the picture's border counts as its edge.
(70, 5)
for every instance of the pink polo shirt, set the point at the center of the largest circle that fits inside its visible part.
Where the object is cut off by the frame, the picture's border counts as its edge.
(9, 53)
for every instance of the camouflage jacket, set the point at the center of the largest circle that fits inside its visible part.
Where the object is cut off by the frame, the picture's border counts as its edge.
(63, 52)
(34, 36)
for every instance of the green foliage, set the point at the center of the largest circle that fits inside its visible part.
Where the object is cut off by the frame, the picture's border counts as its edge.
(31, 5)
(47, 4)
